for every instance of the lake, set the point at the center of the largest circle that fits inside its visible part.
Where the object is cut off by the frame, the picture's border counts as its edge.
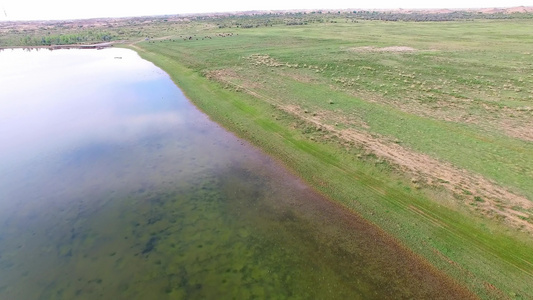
(114, 186)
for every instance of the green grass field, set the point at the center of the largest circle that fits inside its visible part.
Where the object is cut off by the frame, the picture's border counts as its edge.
(423, 128)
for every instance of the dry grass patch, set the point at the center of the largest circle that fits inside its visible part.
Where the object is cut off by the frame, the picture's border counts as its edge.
(266, 60)
(384, 49)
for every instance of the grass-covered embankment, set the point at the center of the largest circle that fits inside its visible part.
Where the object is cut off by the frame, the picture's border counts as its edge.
(458, 100)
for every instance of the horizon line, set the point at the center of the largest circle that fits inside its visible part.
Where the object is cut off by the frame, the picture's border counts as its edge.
(328, 10)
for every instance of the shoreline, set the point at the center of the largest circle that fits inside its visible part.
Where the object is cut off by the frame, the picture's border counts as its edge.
(411, 226)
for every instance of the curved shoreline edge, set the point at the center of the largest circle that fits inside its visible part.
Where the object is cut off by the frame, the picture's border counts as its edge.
(472, 254)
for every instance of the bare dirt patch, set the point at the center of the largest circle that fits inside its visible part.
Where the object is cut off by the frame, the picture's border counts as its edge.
(231, 76)
(519, 131)
(303, 78)
(221, 74)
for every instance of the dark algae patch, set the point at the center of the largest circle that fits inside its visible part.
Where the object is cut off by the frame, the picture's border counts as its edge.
(150, 245)
(158, 202)
(234, 233)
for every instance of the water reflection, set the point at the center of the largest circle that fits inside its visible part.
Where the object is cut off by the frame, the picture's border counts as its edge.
(54, 100)
(113, 186)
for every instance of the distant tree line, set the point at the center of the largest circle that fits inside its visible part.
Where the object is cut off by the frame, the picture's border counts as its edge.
(433, 17)
(66, 39)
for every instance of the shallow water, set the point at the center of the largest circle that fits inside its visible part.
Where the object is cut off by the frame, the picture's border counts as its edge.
(113, 186)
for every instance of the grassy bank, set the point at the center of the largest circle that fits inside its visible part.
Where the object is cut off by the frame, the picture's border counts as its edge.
(296, 92)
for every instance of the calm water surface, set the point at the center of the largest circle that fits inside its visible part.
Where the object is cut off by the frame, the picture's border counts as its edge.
(113, 186)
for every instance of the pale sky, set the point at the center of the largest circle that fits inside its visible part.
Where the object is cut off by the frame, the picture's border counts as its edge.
(80, 9)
